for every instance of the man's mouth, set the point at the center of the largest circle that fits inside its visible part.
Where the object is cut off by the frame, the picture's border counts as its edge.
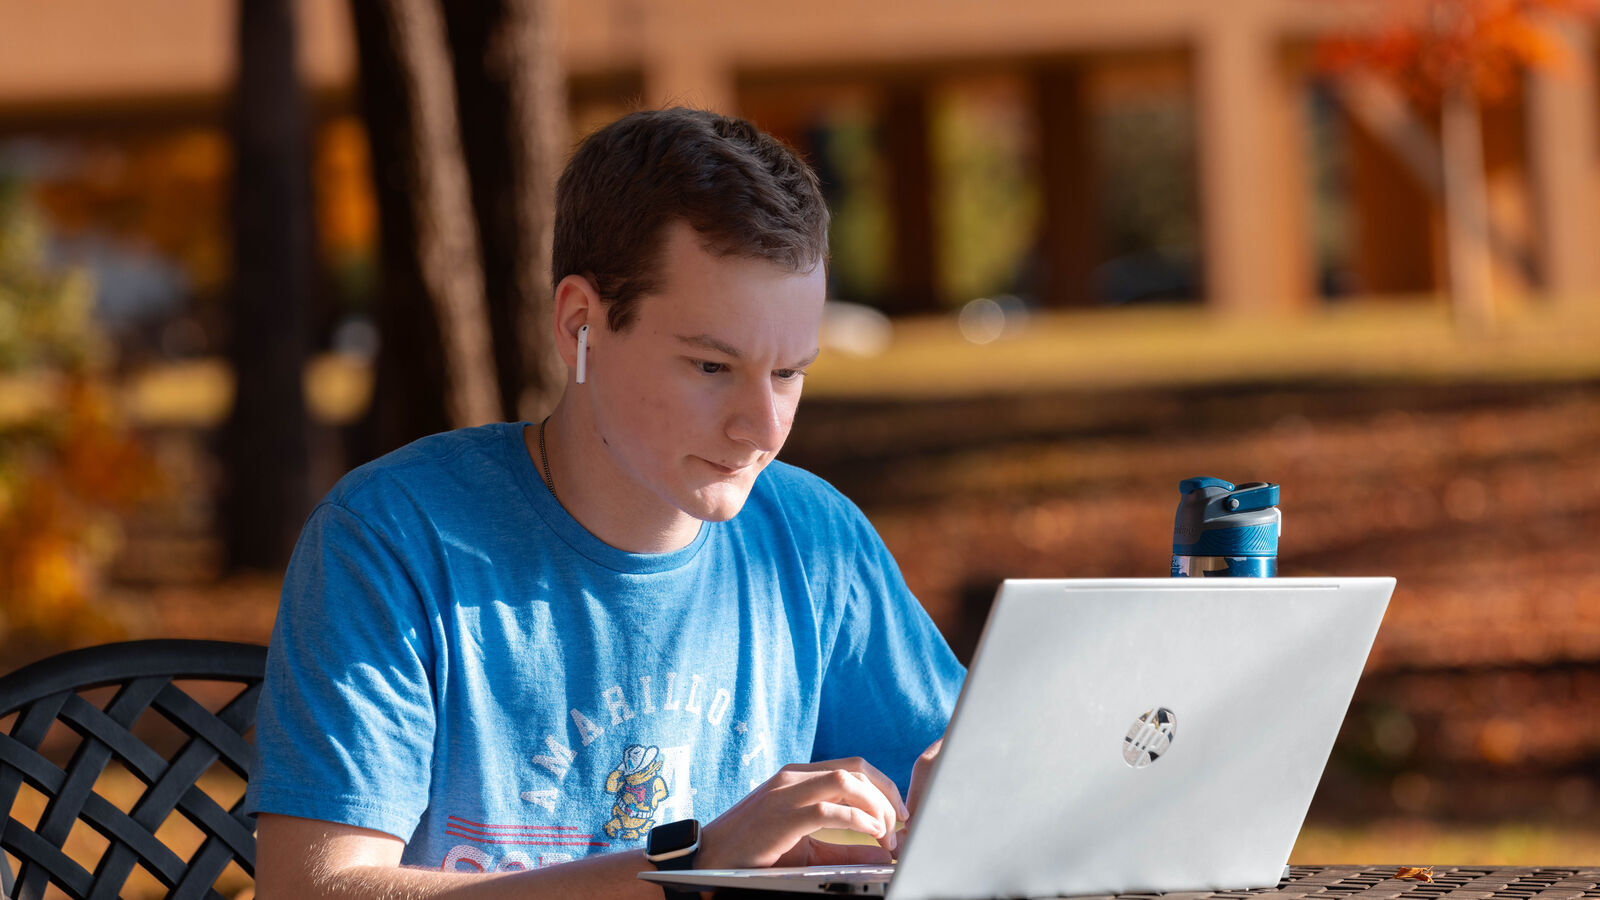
(731, 470)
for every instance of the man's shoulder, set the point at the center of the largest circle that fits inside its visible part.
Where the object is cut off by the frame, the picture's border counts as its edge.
(790, 482)
(425, 464)
(797, 494)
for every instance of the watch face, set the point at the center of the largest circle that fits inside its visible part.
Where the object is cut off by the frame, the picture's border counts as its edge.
(672, 836)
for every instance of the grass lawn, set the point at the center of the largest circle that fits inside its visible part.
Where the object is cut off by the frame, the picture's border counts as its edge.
(1182, 346)
(1421, 842)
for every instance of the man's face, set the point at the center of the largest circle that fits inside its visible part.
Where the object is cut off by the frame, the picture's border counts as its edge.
(696, 397)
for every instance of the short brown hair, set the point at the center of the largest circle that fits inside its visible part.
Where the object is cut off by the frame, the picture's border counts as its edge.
(740, 189)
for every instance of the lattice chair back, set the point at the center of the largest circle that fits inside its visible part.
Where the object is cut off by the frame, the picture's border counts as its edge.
(146, 729)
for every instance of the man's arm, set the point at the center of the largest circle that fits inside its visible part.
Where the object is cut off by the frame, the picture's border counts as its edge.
(308, 858)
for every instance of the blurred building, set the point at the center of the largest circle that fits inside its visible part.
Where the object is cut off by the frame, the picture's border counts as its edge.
(1155, 149)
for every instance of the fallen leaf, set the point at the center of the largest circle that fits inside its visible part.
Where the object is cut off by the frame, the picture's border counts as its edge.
(1415, 873)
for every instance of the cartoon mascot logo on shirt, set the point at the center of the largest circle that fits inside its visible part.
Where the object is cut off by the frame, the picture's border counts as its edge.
(638, 787)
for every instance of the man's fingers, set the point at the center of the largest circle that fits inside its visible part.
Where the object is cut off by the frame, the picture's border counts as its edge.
(823, 853)
(774, 822)
(833, 791)
(850, 818)
(920, 772)
(882, 782)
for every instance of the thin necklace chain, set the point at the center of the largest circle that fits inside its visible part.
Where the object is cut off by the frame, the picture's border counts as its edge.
(544, 459)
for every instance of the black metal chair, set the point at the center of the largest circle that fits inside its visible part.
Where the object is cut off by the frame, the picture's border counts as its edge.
(167, 711)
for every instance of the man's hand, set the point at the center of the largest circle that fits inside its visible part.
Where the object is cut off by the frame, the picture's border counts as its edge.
(772, 825)
(920, 772)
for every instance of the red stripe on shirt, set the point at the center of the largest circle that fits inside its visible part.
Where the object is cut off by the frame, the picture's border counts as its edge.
(458, 822)
(453, 832)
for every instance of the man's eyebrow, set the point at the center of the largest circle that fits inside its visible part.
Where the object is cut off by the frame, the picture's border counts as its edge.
(707, 342)
(808, 360)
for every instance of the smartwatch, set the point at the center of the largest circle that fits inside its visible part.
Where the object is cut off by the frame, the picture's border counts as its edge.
(672, 847)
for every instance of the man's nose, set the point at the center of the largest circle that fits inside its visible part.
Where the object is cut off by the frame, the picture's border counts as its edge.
(761, 417)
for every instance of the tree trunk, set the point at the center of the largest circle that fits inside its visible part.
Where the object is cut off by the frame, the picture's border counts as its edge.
(1383, 111)
(1466, 205)
(908, 156)
(512, 108)
(266, 441)
(408, 391)
(436, 365)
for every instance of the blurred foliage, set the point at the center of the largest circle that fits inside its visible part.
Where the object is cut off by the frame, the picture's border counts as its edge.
(990, 200)
(68, 465)
(987, 199)
(856, 184)
(347, 211)
(1429, 47)
(45, 317)
(1149, 197)
(988, 187)
(166, 190)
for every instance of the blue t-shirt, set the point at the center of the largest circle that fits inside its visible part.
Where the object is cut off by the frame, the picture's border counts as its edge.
(459, 663)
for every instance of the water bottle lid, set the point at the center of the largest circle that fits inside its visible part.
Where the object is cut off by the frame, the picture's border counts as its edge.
(1219, 518)
(1195, 484)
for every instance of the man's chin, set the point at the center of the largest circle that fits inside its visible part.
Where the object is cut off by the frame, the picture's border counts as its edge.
(718, 505)
(720, 512)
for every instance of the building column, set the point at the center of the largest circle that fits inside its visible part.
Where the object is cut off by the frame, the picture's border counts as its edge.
(1068, 245)
(685, 59)
(1564, 170)
(1252, 194)
(908, 157)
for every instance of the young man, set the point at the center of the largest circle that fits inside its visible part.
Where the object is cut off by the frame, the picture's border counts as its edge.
(513, 646)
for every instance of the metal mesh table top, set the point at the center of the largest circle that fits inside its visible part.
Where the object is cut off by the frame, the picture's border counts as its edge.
(1376, 883)
(1449, 883)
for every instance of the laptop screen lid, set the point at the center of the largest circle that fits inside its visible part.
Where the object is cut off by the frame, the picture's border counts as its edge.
(1140, 735)
(1131, 735)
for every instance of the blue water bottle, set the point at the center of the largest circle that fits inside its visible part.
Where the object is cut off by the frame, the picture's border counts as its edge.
(1226, 529)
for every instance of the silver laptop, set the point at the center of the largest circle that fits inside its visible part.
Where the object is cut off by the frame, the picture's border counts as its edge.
(1125, 736)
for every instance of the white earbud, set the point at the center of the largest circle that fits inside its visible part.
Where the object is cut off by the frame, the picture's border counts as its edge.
(583, 354)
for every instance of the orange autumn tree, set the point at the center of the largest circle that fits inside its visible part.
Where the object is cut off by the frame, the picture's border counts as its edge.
(68, 465)
(1446, 60)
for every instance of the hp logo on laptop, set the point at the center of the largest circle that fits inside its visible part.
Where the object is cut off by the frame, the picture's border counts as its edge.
(1150, 737)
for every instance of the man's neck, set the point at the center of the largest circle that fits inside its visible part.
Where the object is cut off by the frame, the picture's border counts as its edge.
(600, 498)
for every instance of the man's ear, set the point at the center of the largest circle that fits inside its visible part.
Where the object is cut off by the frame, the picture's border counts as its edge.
(577, 304)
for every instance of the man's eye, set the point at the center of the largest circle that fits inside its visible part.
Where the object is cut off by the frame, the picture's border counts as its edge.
(788, 374)
(709, 368)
